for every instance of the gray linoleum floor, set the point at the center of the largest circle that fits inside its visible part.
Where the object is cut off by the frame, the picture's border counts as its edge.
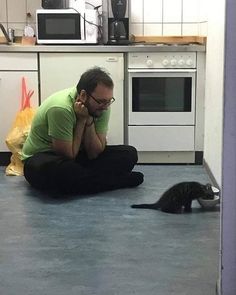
(100, 246)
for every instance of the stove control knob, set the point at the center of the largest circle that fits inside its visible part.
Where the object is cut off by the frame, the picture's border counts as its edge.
(165, 62)
(181, 62)
(149, 63)
(173, 62)
(189, 62)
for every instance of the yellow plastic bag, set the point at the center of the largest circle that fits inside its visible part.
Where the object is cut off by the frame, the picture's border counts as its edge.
(19, 132)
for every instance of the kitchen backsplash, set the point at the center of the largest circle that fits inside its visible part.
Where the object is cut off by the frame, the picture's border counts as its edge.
(147, 17)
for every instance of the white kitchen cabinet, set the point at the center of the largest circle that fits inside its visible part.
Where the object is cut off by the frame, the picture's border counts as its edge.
(62, 70)
(14, 66)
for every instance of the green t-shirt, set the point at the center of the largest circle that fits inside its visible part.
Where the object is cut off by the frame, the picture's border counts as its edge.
(55, 118)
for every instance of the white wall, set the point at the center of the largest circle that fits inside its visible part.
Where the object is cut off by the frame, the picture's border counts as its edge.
(214, 89)
(147, 17)
(166, 17)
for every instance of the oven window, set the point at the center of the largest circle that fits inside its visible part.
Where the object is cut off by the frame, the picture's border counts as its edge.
(161, 94)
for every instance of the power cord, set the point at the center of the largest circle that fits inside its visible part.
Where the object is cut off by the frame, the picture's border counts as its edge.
(91, 23)
(94, 7)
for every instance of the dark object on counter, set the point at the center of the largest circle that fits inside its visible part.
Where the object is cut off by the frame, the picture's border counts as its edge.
(116, 22)
(5, 33)
(54, 4)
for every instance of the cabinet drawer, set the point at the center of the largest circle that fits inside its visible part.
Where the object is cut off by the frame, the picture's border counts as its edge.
(18, 61)
(162, 138)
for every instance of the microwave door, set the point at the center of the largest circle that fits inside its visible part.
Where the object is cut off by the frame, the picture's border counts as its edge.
(82, 27)
(60, 28)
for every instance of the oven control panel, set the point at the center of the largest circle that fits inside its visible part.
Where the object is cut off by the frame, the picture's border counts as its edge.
(162, 60)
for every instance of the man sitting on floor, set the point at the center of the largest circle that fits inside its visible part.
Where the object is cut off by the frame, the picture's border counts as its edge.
(66, 148)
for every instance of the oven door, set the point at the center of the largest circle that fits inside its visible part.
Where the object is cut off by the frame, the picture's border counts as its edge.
(161, 97)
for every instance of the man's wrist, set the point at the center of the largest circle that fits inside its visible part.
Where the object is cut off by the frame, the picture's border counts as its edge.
(88, 124)
(81, 120)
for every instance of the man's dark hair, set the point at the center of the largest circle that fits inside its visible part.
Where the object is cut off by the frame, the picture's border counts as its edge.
(92, 77)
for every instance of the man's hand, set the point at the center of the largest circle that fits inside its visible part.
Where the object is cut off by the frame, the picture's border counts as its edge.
(81, 111)
(71, 149)
(94, 143)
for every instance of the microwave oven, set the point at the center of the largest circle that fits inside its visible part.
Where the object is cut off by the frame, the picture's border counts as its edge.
(66, 26)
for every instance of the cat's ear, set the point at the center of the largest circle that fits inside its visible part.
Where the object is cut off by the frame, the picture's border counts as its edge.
(208, 186)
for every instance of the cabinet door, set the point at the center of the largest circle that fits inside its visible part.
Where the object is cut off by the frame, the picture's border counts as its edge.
(62, 70)
(10, 99)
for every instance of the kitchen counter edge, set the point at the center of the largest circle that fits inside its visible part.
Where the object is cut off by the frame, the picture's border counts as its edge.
(101, 48)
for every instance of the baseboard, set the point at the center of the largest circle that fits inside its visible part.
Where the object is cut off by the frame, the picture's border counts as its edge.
(198, 158)
(5, 158)
(170, 157)
(209, 172)
(218, 287)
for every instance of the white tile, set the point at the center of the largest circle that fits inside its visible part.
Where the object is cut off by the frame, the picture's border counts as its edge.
(3, 11)
(136, 29)
(172, 11)
(31, 7)
(190, 10)
(190, 29)
(16, 10)
(152, 11)
(94, 3)
(204, 6)
(202, 29)
(18, 27)
(136, 11)
(171, 29)
(152, 29)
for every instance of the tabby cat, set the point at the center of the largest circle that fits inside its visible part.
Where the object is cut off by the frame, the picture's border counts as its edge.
(180, 196)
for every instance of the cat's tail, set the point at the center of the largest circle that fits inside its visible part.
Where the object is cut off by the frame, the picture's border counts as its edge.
(145, 206)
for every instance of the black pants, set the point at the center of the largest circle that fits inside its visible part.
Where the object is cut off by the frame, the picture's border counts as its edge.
(111, 170)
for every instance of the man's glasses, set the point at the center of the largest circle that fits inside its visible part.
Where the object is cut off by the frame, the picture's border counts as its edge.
(102, 102)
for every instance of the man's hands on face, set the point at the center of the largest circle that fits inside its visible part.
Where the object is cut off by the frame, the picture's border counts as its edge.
(81, 111)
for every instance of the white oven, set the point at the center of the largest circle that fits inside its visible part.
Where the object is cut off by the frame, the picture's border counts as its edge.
(161, 100)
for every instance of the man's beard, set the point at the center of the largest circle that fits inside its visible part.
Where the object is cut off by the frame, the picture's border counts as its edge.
(95, 114)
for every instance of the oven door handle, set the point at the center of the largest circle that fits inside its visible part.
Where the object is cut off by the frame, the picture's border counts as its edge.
(162, 70)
